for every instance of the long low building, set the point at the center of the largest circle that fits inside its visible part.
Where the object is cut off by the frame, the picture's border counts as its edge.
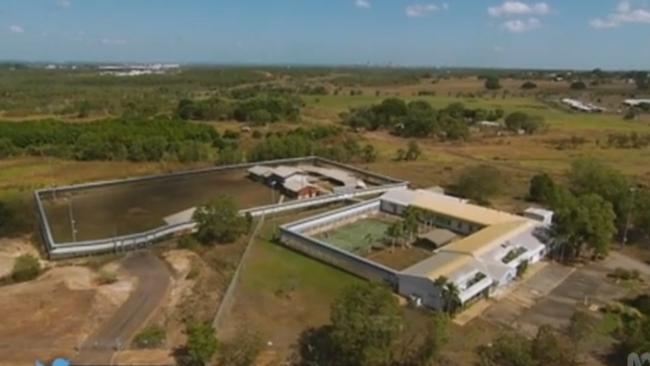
(495, 246)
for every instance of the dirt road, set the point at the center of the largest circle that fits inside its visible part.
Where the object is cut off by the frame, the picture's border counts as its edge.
(153, 279)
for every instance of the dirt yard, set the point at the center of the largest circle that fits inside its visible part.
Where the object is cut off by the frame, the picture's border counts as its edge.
(400, 258)
(52, 315)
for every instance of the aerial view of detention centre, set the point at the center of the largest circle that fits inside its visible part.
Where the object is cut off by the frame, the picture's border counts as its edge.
(325, 183)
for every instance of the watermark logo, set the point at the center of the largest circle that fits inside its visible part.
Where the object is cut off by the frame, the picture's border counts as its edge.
(57, 362)
(635, 359)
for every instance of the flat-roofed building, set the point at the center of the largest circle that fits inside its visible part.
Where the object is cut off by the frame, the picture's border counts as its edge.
(485, 249)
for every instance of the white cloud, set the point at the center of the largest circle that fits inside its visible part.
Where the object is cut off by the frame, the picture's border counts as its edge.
(16, 29)
(64, 3)
(420, 10)
(112, 42)
(514, 8)
(521, 26)
(624, 13)
(365, 4)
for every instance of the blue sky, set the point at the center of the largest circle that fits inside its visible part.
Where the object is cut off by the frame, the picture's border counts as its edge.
(489, 33)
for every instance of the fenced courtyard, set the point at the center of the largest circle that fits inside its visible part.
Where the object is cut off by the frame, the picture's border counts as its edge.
(129, 208)
(359, 237)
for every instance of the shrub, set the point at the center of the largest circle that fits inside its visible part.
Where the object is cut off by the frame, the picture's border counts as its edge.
(26, 268)
(479, 183)
(106, 277)
(188, 242)
(624, 274)
(528, 85)
(578, 85)
(195, 271)
(202, 343)
(492, 83)
(243, 350)
(151, 337)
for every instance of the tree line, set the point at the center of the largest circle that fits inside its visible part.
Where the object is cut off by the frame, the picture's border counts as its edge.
(419, 119)
(114, 139)
(255, 109)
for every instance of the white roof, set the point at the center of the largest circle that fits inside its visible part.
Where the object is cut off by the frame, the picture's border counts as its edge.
(539, 212)
(286, 171)
(406, 197)
(636, 101)
(260, 170)
(296, 183)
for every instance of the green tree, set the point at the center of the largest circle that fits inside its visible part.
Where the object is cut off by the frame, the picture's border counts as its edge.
(396, 232)
(449, 295)
(219, 221)
(435, 337)
(528, 85)
(507, 350)
(549, 348)
(586, 222)
(5, 216)
(242, 350)
(522, 121)
(591, 176)
(150, 337)
(369, 154)
(26, 268)
(6, 148)
(413, 151)
(641, 214)
(480, 183)
(542, 188)
(492, 83)
(366, 321)
(578, 85)
(201, 343)
(636, 336)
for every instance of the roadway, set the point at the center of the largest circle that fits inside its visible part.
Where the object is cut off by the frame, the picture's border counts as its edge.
(153, 279)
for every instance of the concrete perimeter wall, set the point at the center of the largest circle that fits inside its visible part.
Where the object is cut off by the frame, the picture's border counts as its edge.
(143, 239)
(292, 235)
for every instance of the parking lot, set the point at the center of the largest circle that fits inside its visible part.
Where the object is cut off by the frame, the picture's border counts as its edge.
(551, 296)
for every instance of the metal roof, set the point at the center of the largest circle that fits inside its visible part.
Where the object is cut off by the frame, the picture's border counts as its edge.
(439, 237)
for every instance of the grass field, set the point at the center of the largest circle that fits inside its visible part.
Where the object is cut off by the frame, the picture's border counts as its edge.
(358, 237)
(282, 292)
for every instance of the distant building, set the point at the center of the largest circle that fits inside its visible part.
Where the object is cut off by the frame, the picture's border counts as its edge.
(635, 102)
(581, 106)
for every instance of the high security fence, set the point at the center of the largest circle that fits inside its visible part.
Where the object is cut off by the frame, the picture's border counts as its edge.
(293, 235)
(147, 238)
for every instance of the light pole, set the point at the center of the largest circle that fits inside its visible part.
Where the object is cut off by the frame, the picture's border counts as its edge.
(629, 216)
(273, 183)
(73, 226)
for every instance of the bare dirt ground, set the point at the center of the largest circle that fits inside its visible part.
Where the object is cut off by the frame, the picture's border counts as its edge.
(182, 263)
(144, 357)
(116, 331)
(50, 316)
(400, 258)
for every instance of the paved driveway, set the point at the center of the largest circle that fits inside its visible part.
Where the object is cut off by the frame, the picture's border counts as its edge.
(153, 279)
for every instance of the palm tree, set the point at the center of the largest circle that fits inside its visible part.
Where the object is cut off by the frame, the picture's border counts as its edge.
(450, 295)
(453, 302)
